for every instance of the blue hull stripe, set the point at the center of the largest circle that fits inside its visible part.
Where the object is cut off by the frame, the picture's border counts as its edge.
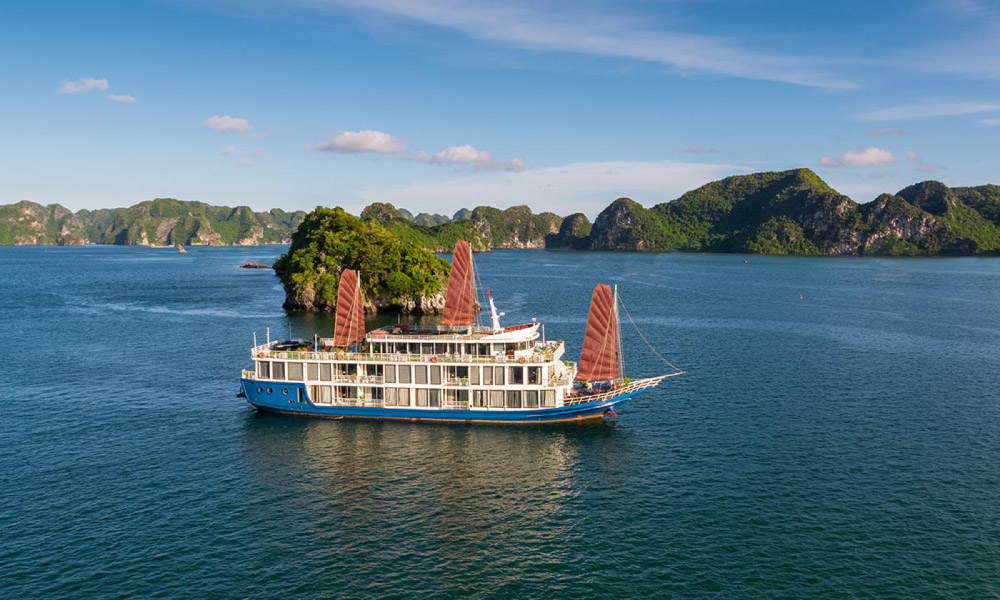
(278, 401)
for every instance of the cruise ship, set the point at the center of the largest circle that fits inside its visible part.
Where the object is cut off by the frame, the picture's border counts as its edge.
(459, 371)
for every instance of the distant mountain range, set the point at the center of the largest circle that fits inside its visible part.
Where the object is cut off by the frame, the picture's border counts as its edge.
(159, 222)
(787, 212)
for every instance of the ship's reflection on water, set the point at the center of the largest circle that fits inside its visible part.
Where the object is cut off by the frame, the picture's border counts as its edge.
(470, 493)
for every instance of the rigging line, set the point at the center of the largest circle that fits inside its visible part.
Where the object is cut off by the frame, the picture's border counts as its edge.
(478, 285)
(637, 330)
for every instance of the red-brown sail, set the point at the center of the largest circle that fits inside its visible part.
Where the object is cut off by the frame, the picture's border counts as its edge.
(460, 298)
(599, 358)
(349, 326)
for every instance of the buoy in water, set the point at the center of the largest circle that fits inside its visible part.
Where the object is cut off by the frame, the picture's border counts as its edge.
(745, 261)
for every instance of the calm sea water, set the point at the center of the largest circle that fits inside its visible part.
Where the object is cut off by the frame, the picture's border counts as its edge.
(845, 443)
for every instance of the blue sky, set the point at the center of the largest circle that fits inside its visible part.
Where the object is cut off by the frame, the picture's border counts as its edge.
(435, 106)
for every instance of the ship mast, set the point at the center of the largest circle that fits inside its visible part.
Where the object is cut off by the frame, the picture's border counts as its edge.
(618, 335)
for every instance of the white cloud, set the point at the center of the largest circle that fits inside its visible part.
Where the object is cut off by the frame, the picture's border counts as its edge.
(122, 98)
(577, 187)
(226, 123)
(234, 151)
(616, 33)
(929, 110)
(870, 157)
(366, 140)
(992, 122)
(697, 150)
(886, 132)
(467, 155)
(920, 166)
(84, 85)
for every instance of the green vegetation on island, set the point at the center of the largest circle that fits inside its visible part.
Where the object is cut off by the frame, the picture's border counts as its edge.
(159, 222)
(796, 212)
(484, 227)
(783, 212)
(395, 274)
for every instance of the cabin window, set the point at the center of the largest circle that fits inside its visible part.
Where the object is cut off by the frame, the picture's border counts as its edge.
(487, 375)
(462, 373)
(413, 348)
(263, 369)
(403, 398)
(269, 391)
(278, 370)
(433, 397)
(531, 399)
(324, 394)
(420, 374)
(373, 370)
(474, 375)
(348, 392)
(427, 348)
(513, 399)
(295, 371)
(548, 398)
(479, 398)
(516, 375)
(462, 397)
(498, 375)
(390, 396)
(534, 375)
(421, 397)
(405, 374)
(496, 399)
(325, 372)
(390, 373)
(436, 375)
(312, 371)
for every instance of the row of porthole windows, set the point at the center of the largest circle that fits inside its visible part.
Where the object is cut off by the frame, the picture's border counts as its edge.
(284, 392)
(260, 390)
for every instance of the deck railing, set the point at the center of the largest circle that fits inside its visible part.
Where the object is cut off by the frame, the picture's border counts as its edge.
(633, 386)
(536, 358)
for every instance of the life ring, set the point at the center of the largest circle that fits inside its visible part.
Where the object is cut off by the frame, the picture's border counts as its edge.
(434, 359)
(521, 360)
(260, 355)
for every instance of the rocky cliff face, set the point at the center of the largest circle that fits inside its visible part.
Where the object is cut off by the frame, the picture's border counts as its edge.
(574, 233)
(160, 222)
(27, 223)
(621, 226)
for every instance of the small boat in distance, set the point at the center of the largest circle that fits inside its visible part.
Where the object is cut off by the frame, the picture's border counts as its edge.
(459, 371)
